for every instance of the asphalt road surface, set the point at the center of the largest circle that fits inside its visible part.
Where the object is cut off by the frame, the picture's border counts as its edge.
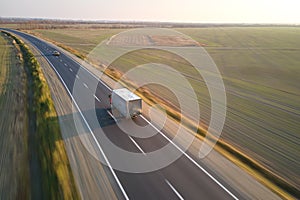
(183, 179)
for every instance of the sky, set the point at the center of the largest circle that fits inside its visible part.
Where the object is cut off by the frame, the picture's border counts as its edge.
(198, 11)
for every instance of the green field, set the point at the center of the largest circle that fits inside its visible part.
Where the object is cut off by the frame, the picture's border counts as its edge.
(14, 154)
(261, 70)
(82, 41)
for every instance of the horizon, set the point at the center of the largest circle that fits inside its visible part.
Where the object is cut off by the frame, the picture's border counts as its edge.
(190, 11)
(138, 21)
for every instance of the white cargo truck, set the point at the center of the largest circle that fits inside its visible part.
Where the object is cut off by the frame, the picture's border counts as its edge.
(125, 103)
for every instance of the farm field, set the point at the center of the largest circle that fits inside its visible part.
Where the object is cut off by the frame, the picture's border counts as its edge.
(81, 40)
(260, 67)
(261, 71)
(14, 180)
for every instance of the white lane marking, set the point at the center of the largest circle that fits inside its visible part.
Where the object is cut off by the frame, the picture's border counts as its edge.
(115, 176)
(111, 115)
(85, 85)
(97, 78)
(71, 69)
(193, 161)
(136, 144)
(97, 98)
(66, 54)
(174, 190)
(93, 135)
(60, 60)
(65, 64)
(77, 77)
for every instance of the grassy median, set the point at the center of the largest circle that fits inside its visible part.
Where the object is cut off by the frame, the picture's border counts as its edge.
(57, 179)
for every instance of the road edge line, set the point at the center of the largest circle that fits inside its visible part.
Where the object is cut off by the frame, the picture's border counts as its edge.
(174, 190)
(184, 153)
(101, 150)
(192, 160)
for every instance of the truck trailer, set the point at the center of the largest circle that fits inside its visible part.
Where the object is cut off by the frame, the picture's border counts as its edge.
(125, 103)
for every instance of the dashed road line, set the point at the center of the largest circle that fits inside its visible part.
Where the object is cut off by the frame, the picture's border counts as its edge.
(136, 144)
(191, 159)
(97, 98)
(122, 189)
(174, 190)
(112, 116)
(93, 135)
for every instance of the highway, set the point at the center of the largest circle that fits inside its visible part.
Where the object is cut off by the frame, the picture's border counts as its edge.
(185, 178)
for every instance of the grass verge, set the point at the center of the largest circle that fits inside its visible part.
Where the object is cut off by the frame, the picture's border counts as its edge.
(57, 179)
